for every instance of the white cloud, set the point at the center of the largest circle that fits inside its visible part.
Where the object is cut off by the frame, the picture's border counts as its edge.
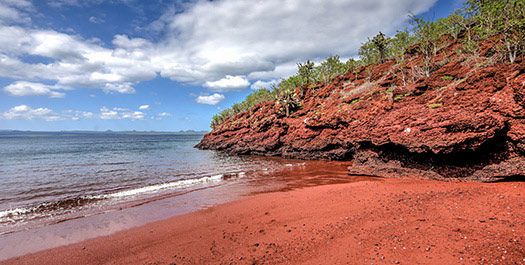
(60, 3)
(23, 88)
(220, 44)
(135, 115)
(107, 114)
(125, 88)
(144, 107)
(96, 20)
(124, 42)
(211, 99)
(120, 109)
(23, 112)
(113, 114)
(263, 84)
(165, 114)
(229, 83)
(211, 39)
(75, 62)
(15, 11)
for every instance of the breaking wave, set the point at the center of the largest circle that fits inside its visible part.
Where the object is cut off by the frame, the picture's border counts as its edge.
(69, 204)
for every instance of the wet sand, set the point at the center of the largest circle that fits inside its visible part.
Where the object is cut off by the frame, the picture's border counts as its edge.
(389, 221)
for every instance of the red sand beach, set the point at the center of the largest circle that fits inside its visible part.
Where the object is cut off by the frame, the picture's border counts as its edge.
(387, 221)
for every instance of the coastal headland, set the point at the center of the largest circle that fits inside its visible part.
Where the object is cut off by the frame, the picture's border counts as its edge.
(464, 120)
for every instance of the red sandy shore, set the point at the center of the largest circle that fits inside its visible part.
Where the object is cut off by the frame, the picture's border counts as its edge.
(388, 221)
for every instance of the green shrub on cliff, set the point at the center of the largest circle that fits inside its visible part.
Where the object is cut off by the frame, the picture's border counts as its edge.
(381, 48)
(505, 17)
(428, 35)
(399, 44)
(452, 24)
(368, 53)
(306, 72)
(381, 43)
(255, 98)
(329, 69)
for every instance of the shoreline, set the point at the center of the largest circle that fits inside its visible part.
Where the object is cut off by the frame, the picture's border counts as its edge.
(385, 221)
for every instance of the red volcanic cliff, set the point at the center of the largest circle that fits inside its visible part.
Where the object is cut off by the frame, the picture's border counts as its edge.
(465, 120)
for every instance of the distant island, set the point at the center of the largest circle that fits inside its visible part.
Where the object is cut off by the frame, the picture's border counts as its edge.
(18, 133)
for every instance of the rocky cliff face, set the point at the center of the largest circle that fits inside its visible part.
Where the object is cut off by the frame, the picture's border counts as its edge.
(465, 120)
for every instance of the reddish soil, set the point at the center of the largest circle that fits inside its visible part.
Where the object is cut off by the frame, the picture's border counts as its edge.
(465, 120)
(389, 221)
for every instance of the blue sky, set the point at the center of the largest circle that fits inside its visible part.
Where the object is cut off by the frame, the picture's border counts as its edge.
(169, 65)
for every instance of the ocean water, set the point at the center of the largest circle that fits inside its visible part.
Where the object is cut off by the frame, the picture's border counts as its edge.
(51, 183)
(52, 178)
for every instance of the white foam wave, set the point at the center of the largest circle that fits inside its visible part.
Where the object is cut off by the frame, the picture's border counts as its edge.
(8, 215)
(14, 212)
(158, 187)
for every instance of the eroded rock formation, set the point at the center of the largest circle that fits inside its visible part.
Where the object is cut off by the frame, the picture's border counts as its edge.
(466, 120)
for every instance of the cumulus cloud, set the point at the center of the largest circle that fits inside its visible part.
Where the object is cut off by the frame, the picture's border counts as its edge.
(229, 83)
(23, 88)
(165, 114)
(211, 99)
(222, 45)
(15, 11)
(23, 112)
(124, 42)
(120, 109)
(107, 114)
(60, 3)
(96, 20)
(263, 84)
(125, 88)
(144, 107)
(75, 62)
(212, 39)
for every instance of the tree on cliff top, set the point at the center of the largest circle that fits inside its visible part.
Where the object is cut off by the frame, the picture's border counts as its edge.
(368, 53)
(428, 34)
(305, 71)
(381, 44)
(330, 68)
(506, 17)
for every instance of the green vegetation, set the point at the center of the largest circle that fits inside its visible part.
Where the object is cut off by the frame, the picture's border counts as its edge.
(257, 97)
(356, 100)
(381, 44)
(306, 71)
(427, 34)
(477, 20)
(329, 69)
(435, 105)
(380, 48)
(505, 17)
(285, 93)
(400, 97)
